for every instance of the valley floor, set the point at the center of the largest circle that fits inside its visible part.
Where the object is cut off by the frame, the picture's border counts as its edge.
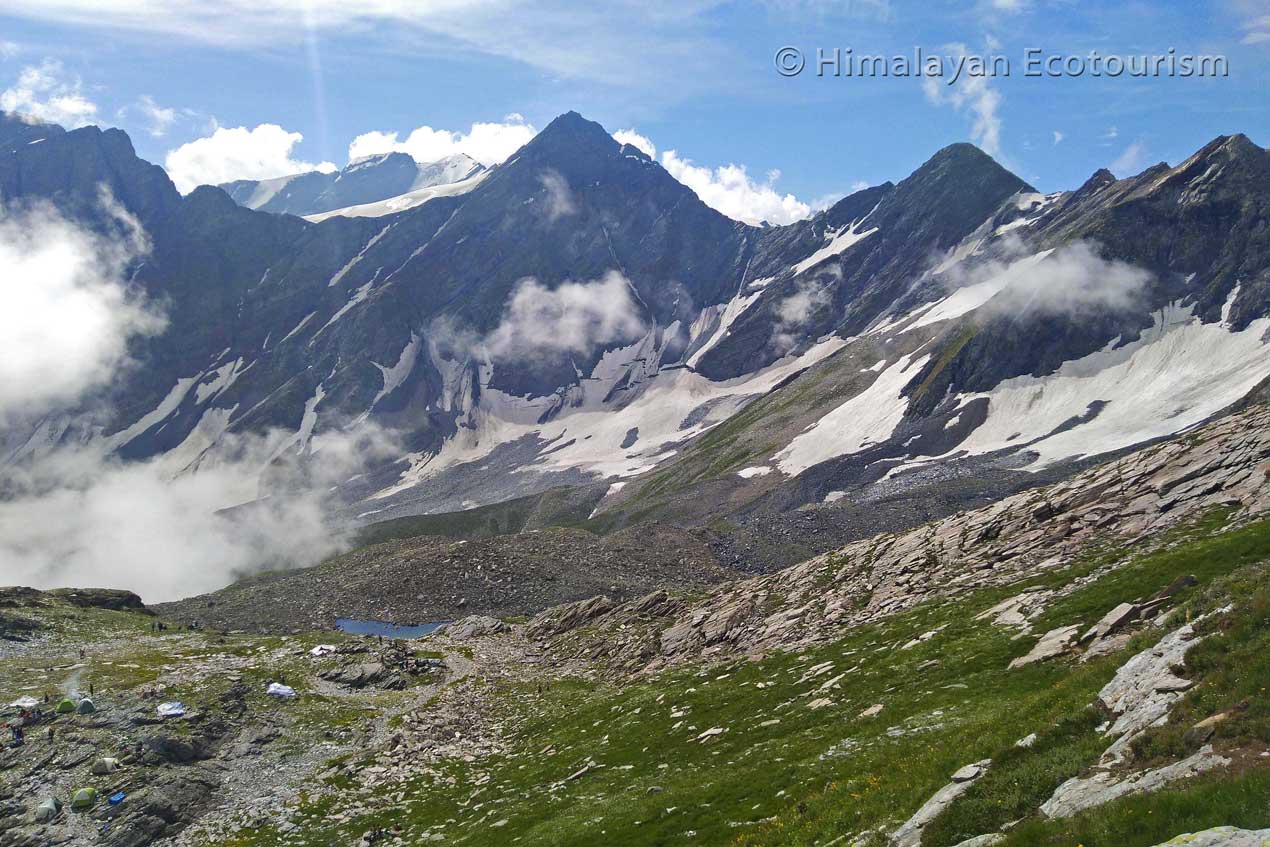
(838, 743)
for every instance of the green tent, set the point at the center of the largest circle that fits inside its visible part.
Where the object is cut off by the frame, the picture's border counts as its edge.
(66, 706)
(83, 799)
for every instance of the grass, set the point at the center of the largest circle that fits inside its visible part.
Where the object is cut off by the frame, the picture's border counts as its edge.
(816, 775)
(589, 761)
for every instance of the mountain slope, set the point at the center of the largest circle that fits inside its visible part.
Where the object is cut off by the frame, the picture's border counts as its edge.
(577, 317)
(368, 180)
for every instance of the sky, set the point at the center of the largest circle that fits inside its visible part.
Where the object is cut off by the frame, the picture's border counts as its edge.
(223, 89)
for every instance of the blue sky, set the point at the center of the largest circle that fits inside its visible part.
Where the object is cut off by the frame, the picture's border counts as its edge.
(694, 76)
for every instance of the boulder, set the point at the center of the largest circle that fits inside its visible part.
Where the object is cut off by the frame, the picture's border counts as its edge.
(1112, 621)
(1053, 643)
(475, 626)
(1222, 836)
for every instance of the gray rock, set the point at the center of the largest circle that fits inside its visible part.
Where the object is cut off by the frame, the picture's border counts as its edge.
(1081, 793)
(1222, 836)
(910, 834)
(475, 626)
(982, 840)
(1112, 621)
(1053, 643)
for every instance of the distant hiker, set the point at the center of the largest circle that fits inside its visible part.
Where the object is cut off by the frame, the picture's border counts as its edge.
(50, 733)
(91, 692)
(81, 652)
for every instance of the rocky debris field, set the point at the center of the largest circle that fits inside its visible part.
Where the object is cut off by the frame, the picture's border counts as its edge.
(428, 579)
(1110, 508)
(182, 725)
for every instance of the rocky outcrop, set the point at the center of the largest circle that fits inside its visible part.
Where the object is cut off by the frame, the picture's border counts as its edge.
(1144, 689)
(101, 598)
(1225, 464)
(475, 626)
(562, 619)
(910, 834)
(1222, 836)
(1080, 793)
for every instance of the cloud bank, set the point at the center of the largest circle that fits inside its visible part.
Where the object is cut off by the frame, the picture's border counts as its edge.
(797, 310)
(80, 517)
(559, 201)
(1072, 281)
(69, 313)
(487, 143)
(574, 317)
(72, 514)
(47, 93)
(263, 152)
(541, 323)
(728, 189)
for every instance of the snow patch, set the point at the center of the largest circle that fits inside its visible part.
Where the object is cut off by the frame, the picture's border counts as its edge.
(868, 418)
(839, 241)
(397, 375)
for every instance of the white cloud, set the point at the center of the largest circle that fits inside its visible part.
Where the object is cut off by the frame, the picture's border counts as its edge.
(68, 313)
(623, 44)
(540, 322)
(1130, 162)
(639, 142)
(9, 50)
(237, 153)
(46, 92)
(730, 190)
(487, 143)
(1058, 138)
(159, 119)
(559, 200)
(79, 516)
(574, 317)
(82, 517)
(1255, 22)
(973, 95)
(1073, 280)
(796, 310)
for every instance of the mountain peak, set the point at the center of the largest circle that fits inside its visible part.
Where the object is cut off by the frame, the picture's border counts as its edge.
(964, 164)
(570, 134)
(1101, 178)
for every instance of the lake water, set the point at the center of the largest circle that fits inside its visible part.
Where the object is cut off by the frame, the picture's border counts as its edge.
(357, 626)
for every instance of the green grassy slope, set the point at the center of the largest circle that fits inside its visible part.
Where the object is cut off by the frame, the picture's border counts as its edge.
(594, 762)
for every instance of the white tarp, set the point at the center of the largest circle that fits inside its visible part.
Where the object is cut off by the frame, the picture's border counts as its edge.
(173, 709)
(277, 689)
(25, 703)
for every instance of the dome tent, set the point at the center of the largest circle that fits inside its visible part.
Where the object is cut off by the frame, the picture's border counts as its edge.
(65, 706)
(83, 799)
(85, 707)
